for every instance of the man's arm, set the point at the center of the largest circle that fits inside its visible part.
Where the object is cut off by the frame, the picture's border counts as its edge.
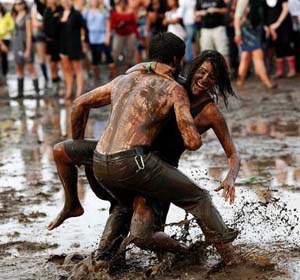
(96, 98)
(185, 122)
(221, 130)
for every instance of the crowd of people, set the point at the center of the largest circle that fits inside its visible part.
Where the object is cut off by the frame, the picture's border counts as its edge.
(77, 36)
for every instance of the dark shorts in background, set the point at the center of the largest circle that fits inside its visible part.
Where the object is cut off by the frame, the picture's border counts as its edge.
(97, 50)
(52, 49)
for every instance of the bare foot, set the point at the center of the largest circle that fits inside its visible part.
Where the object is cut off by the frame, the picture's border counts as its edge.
(65, 214)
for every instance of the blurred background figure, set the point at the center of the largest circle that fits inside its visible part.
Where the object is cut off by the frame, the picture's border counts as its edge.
(72, 37)
(6, 29)
(51, 12)
(294, 9)
(213, 31)
(22, 45)
(98, 27)
(155, 17)
(188, 18)
(39, 40)
(248, 22)
(279, 28)
(124, 24)
(173, 19)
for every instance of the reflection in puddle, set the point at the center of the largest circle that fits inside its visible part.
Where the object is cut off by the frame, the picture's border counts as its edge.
(266, 209)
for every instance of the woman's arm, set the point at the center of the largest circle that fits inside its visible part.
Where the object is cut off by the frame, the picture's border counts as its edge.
(220, 128)
(28, 38)
(281, 18)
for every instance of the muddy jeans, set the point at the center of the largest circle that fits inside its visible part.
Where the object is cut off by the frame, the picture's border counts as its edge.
(137, 171)
(118, 223)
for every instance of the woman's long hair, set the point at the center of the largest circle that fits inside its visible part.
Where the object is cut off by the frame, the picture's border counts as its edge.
(14, 11)
(2, 10)
(223, 87)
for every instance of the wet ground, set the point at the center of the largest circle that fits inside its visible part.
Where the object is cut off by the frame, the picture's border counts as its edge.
(265, 126)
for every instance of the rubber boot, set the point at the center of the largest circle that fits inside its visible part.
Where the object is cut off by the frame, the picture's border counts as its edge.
(279, 68)
(36, 86)
(45, 74)
(20, 88)
(292, 67)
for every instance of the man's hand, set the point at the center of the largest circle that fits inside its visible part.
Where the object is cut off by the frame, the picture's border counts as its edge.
(228, 189)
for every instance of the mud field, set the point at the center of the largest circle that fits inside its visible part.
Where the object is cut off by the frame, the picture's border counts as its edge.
(265, 126)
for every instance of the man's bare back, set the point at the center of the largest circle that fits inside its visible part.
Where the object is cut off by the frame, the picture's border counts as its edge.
(140, 103)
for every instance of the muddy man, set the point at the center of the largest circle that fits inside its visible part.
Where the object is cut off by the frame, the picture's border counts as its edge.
(123, 162)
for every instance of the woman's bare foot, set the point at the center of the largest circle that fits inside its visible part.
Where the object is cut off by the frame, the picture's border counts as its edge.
(65, 214)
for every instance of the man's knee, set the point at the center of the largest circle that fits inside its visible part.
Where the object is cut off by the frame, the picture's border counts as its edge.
(59, 153)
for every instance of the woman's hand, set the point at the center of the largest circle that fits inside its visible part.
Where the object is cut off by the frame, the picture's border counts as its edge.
(26, 54)
(238, 39)
(228, 189)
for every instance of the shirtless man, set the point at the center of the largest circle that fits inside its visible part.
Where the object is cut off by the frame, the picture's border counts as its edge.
(122, 163)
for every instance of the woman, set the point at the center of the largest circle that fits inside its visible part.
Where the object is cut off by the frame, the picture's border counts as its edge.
(72, 38)
(248, 32)
(97, 21)
(279, 26)
(173, 19)
(39, 40)
(6, 30)
(124, 23)
(51, 15)
(23, 47)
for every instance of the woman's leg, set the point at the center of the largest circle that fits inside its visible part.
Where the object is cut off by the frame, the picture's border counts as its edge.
(68, 75)
(243, 68)
(260, 68)
(77, 67)
(20, 75)
(41, 52)
(30, 68)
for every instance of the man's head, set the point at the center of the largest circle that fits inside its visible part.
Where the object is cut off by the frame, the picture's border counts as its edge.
(169, 49)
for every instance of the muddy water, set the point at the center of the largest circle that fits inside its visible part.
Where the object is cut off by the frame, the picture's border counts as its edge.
(266, 129)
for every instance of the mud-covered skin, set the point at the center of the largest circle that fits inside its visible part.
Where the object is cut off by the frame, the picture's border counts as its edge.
(140, 102)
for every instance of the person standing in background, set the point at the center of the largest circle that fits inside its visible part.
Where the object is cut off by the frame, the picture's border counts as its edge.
(248, 30)
(39, 40)
(213, 31)
(97, 21)
(72, 36)
(188, 10)
(124, 23)
(51, 16)
(294, 9)
(173, 19)
(23, 47)
(278, 24)
(6, 29)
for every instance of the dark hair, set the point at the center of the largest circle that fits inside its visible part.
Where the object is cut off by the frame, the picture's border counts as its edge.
(2, 10)
(14, 11)
(165, 46)
(223, 87)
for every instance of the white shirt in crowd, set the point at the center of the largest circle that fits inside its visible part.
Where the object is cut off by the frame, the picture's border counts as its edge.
(177, 28)
(188, 11)
(294, 8)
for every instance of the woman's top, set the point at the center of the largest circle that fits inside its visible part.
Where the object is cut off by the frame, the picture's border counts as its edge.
(20, 35)
(124, 23)
(6, 26)
(96, 24)
(273, 9)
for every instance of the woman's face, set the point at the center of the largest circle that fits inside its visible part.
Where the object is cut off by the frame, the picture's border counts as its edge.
(203, 79)
(67, 4)
(19, 5)
(94, 3)
(171, 3)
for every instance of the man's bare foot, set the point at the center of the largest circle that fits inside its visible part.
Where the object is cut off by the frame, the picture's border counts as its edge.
(65, 214)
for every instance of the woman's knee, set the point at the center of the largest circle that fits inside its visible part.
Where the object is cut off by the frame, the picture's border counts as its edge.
(59, 153)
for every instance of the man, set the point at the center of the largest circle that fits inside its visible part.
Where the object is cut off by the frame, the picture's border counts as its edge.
(122, 163)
